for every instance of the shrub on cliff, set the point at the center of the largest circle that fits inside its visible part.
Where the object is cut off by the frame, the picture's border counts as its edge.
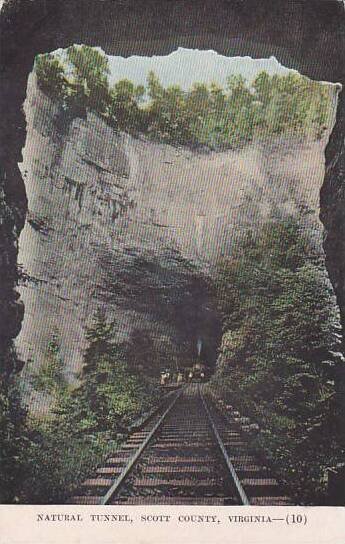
(88, 78)
(124, 110)
(51, 77)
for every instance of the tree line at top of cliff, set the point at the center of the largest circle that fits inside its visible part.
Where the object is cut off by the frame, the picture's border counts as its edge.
(205, 115)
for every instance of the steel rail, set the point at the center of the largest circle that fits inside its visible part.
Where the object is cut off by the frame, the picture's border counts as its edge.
(239, 488)
(126, 470)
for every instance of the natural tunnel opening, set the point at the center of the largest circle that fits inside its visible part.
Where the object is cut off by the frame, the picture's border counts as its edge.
(159, 177)
(163, 208)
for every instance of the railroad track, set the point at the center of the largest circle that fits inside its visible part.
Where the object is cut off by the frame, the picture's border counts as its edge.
(189, 453)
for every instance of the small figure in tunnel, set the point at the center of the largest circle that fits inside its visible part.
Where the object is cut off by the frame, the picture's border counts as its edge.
(165, 377)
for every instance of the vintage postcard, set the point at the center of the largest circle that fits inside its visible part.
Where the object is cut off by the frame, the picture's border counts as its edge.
(172, 263)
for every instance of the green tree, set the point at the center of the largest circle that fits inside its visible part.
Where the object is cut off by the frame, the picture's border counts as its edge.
(51, 77)
(50, 378)
(124, 107)
(262, 86)
(89, 83)
(169, 116)
(154, 87)
(205, 115)
(111, 386)
(100, 336)
(87, 421)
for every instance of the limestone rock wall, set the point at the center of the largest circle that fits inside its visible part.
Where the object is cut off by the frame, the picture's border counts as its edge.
(134, 226)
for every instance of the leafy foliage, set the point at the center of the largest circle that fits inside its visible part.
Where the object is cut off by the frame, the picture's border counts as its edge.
(14, 440)
(51, 77)
(49, 377)
(280, 321)
(112, 388)
(88, 79)
(124, 110)
(87, 421)
(205, 115)
(61, 454)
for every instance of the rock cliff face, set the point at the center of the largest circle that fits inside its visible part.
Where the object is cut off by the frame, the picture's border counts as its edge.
(146, 27)
(135, 227)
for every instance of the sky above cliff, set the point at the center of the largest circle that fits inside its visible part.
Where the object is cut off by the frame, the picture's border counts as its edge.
(186, 66)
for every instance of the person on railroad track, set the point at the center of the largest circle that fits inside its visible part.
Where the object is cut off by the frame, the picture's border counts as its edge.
(163, 378)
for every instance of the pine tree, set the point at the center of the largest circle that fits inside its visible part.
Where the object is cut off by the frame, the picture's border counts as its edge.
(100, 337)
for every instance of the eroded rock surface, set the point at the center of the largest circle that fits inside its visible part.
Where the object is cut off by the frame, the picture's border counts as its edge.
(135, 227)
